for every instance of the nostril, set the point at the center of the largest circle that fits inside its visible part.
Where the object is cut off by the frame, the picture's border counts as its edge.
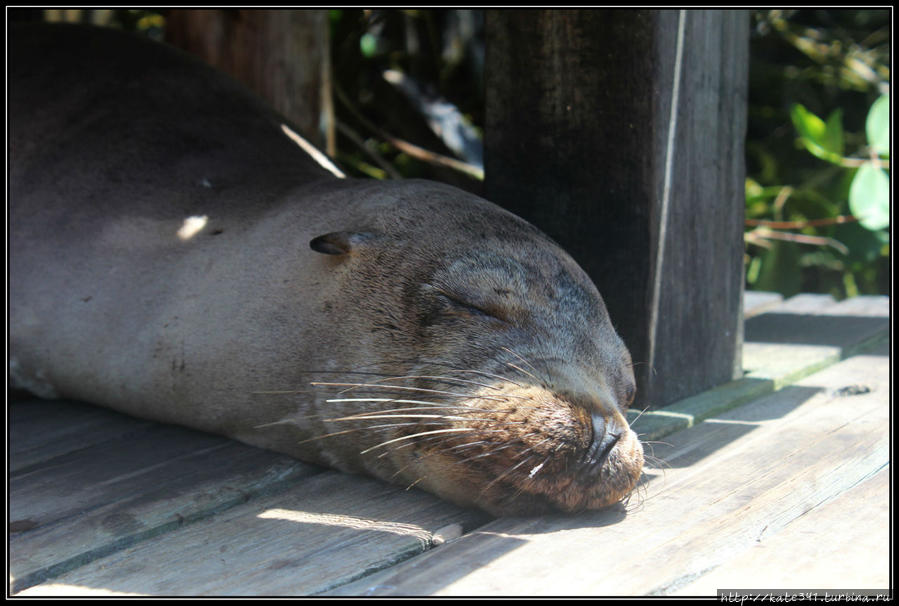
(602, 442)
(608, 443)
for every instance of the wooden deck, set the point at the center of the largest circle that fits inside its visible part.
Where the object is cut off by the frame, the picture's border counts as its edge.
(778, 480)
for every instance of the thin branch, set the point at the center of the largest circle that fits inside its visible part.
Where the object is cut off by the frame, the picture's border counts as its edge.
(766, 233)
(801, 224)
(353, 136)
(410, 148)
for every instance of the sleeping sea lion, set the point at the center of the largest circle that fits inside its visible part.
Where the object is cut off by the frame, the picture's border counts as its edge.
(175, 255)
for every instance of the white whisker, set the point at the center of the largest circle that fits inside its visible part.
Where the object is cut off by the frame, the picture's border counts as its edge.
(441, 378)
(504, 474)
(399, 416)
(403, 387)
(346, 431)
(523, 371)
(534, 368)
(435, 404)
(426, 433)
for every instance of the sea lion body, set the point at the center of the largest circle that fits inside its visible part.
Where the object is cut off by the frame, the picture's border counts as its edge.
(160, 264)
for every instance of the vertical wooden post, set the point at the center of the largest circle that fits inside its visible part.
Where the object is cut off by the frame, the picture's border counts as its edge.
(283, 55)
(620, 134)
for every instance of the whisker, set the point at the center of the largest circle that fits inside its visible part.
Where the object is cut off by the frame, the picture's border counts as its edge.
(484, 454)
(523, 371)
(497, 398)
(528, 482)
(410, 444)
(281, 422)
(459, 462)
(470, 444)
(504, 474)
(467, 370)
(472, 371)
(444, 379)
(412, 485)
(492, 376)
(406, 466)
(517, 355)
(432, 408)
(658, 442)
(654, 462)
(534, 446)
(411, 361)
(402, 387)
(341, 372)
(346, 431)
(642, 412)
(537, 468)
(427, 433)
(427, 404)
(399, 416)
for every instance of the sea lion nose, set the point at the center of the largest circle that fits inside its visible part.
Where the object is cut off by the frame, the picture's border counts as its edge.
(606, 434)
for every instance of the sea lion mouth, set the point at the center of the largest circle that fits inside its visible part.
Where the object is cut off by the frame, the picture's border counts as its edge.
(599, 471)
(507, 447)
(560, 471)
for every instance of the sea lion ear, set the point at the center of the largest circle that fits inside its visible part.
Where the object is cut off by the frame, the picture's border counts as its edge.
(339, 242)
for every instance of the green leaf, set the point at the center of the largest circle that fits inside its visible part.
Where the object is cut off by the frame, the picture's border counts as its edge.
(877, 125)
(752, 270)
(368, 44)
(864, 245)
(869, 197)
(833, 134)
(817, 136)
(808, 125)
(752, 187)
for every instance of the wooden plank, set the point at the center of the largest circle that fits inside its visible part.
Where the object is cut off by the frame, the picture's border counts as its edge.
(806, 303)
(808, 333)
(123, 487)
(797, 338)
(724, 483)
(656, 221)
(876, 307)
(865, 306)
(331, 529)
(856, 547)
(46, 429)
(756, 302)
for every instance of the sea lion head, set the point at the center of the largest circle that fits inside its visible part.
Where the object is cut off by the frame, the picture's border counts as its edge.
(496, 376)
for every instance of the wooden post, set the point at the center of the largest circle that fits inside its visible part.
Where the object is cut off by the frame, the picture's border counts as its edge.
(620, 134)
(283, 55)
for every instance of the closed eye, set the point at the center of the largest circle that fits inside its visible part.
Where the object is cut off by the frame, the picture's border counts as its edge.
(466, 307)
(629, 392)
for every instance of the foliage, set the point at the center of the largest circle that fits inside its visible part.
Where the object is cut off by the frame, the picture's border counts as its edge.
(406, 77)
(817, 220)
(148, 22)
(817, 187)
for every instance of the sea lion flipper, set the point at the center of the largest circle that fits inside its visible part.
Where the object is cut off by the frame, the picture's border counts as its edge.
(339, 242)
